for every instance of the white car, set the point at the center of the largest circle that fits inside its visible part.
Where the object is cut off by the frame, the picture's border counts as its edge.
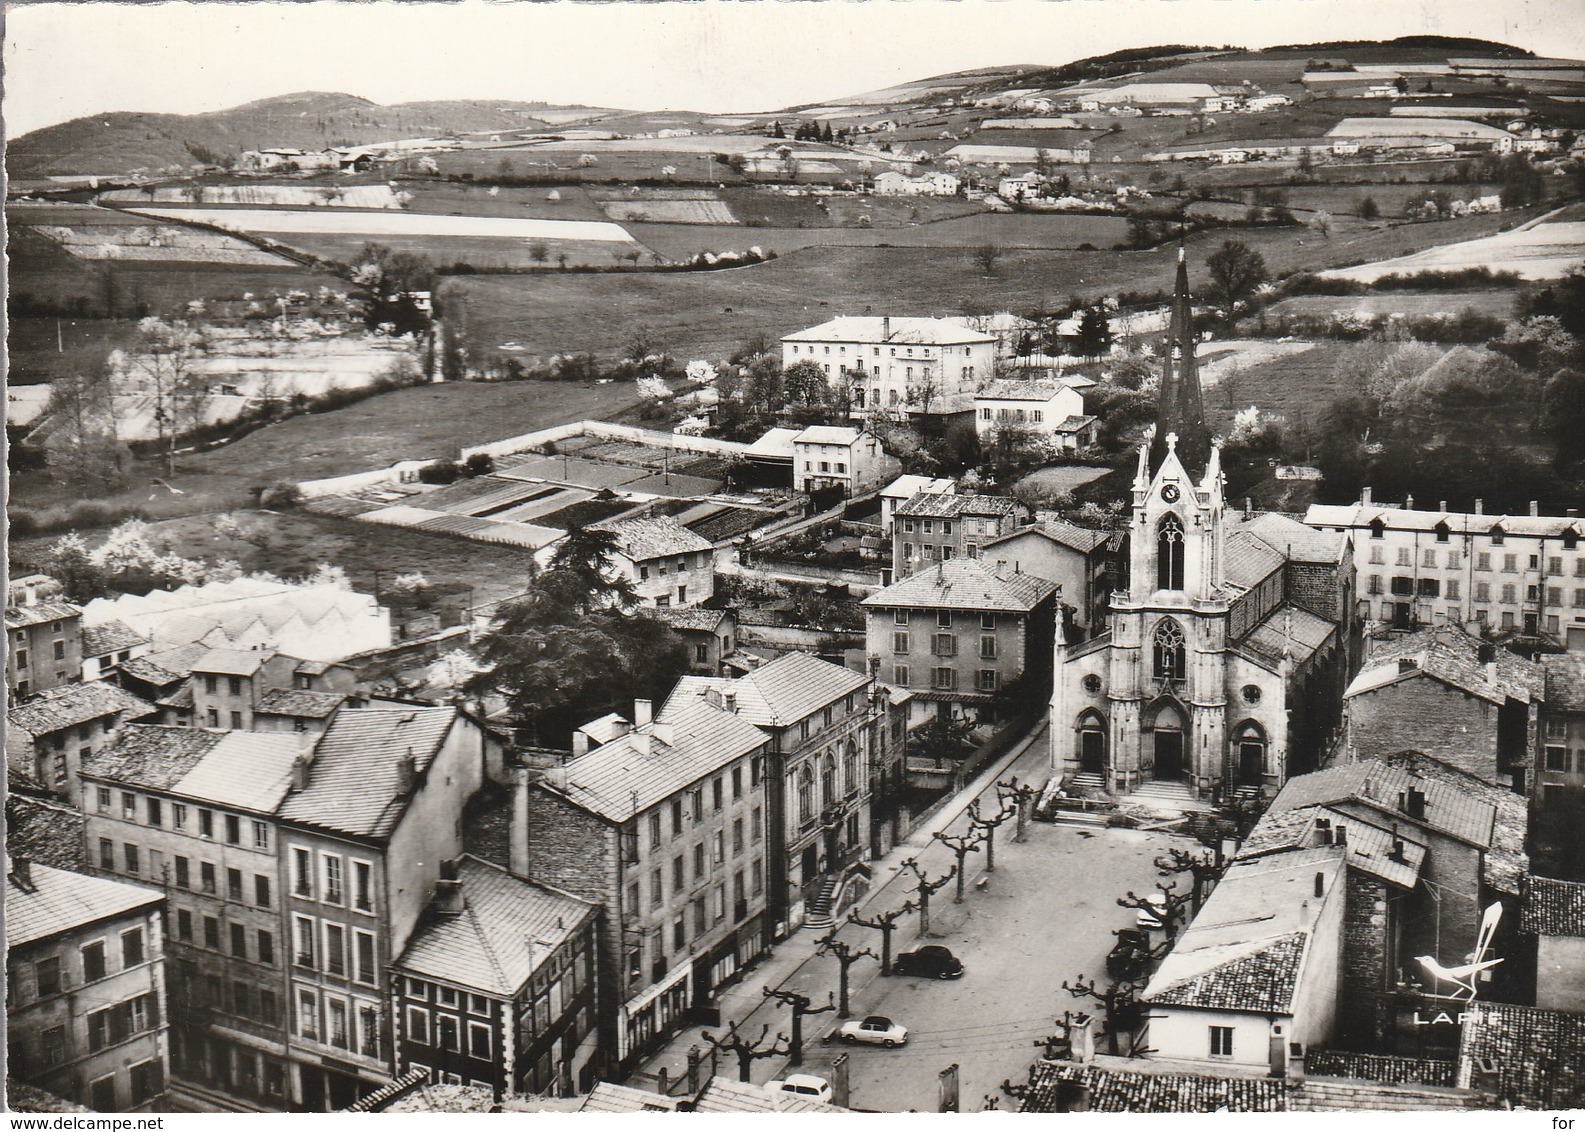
(1153, 917)
(874, 1030)
(803, 1085)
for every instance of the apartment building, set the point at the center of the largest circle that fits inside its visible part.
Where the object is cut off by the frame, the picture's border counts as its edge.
(49, 736)
(85, 988)
(1050, 410)
(44, 639)
(931, 528)
(914, 365)
(665, 825)
(667, 564)
(1520, 576)
(827, 456)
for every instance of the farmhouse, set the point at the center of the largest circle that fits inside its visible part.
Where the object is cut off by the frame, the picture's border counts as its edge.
(893, 183)
(923, 365)
(1051, 410)
(851, 459)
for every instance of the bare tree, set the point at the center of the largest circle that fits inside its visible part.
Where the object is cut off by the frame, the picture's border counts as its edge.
(164, 354)
(885, 923)
(747, 1052)
(81, 442)
(925, 888)
(1120, 1001)
(1021, 797)
(961, 845)
(846, 955)
(800, 1005)
(1202, 868)
(1170, 912)
(986, 826)
(988, 256)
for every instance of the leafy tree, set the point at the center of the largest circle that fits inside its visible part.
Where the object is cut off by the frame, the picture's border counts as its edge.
(81, 444)
(1368, 209)
(1563, 410)
(988, 256)
(1237, 272)
(163, 355)
(807, 392)
(69, 563)
(1095, 333)
(387, 286)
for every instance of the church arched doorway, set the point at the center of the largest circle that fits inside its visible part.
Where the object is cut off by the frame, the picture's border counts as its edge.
(1092, 743)
(1249, 754)
(1167, 744)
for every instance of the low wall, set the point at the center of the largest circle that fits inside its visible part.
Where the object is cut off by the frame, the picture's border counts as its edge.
(605, 429)
(797, 637)
(314, 489)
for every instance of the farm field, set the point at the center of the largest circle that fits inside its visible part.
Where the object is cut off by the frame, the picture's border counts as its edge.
(1297, 387)
(707, 314)
(326, 195)
(1540, 251)
(158, 243)
(480, 253)
(653, 211)
(1397, 302)
(452, 199)
(328, 222)
(758, 207)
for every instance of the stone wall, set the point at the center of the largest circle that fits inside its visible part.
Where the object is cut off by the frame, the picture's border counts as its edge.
(1364, 1013)
(1422, 714)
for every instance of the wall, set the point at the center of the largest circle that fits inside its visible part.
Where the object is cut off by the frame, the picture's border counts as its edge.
(45, 669)
(1560, 974)
(1423, 714)
(1365, 1011)
(658, 580)
(917, 542)
(1315, 998)
(1183, 1034)
(1030, 552)
(920, 659)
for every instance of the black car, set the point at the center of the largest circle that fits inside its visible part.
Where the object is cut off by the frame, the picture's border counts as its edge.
(1130, 955)
(932, 962)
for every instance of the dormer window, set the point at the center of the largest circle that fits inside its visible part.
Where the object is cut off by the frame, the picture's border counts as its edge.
(1378, 529)
(1443, 531)
(1496, 535)
(1570, 539)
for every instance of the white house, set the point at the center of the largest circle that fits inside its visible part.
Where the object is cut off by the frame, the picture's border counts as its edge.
(917, 365)
(837, 456)
(933, 184)
(1051, 409)
(904, 488)
(667, 563)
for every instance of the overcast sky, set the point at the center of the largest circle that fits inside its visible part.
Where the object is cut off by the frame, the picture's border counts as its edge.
(68, 60)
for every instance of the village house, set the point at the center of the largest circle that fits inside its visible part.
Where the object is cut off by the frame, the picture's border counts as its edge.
(50, 736)
(915, 365)
(1048, 410)
(1554, 912)
(935, 184)
(1083, 563)
(904, 488)
(849, 459)
(932, 528)
(110, 644)
(44, 645)
(709, 634)
(664, 825)
(496, 987)
(1003, 622)
(666, 563)
(85, 988)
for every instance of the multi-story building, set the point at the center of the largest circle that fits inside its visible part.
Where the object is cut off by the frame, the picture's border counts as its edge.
(957, 634)
(825, 724)
(665, 825)
(667, 564)
(904, 488)
(931, 528)
(1082, 562)
(828, 456)
(1049, 410)
(108, 645)
(1559, 817)
(710, 635)
(227, 685)
(44, 639)
(913, 365)
(85, 987)
(496, 986)
(1519, 576)
(50, 735)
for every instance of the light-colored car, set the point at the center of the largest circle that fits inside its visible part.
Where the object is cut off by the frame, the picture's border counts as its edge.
(1153, 917)
(875, 1030)
(802, 1085)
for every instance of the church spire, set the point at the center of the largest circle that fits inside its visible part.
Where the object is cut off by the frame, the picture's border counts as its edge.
(1180, 409)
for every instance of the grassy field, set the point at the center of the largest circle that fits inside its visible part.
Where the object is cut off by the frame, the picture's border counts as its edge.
(1298, 387)
(484, 253)
(448, 198)
(1399, 302)
(701, 314)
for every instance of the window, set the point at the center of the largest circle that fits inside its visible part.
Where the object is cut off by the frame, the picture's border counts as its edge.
(757, 876)
(1509, 593)
(206, 877)
(332, 892)
(93, 956)
(1554, 565)
(698, 860)
(184, 925)
(302, 873)
(446, 1031)
(1496, 536)
(234, 685)
(479, 1041)
(679, 875)
(307, 1013)
(944, 619)
(130, 852)
(52, 1046)
(1554, 595)
(944, 644)
(155, 814)
(737, 836)
(107, 855)
(1221, 1041)
(102, 794)
(266, 944)
(234, 885)
(987, 680)
(654, 828)
(1482, 560)
(418, 1025)
(178, 816)
(1428, 558)
(363, 886)
(239, 941)
(900, 674)
(304, 956)
(1510, 563)
(1169, 651)
(261, 836)
(363, 957)
(718, 842)
(737, 783)
(944, 678)
(676, 818)
(987, 647)
(47, 976)
(718, 794)
(335, 949)
(1450, 591)
(211, 933)
(261, 890)
(900, 616)
(206, 823)
(1169, 554)
(900, 642)
(1482, 591)
(1373, 583)
(656, 892)
(1557, 758)
(756, 825)
(233, 830)
(148, 1080)
(129, 806)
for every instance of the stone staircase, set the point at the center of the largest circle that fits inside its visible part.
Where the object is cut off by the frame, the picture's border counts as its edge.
(818, 916)
(1086, 780)
(1164, 796)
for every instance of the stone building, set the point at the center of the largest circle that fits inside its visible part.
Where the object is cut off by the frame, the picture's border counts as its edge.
(49, 737)
(1554, 912)
(44, 638)
(1082, 562)
(933, 527)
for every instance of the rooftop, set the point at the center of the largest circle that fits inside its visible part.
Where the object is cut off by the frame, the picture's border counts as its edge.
(1565, 681)
(1296, 541)
(1369, 845)
(59, 901)
(110, 637)
(967, 584)
(906, 487)
(508, 927)
(643, 539)
(777, 443)
(72, 704)
(827, 434)
(245, 770)
(868, 330)
(1289, 631)
(1539, 1054)
(1059, 531)
(1040, 389)
(45, 832)
(779, 694)
(297, 702)
(691, 617)
(1356, 515)
(932, 505)
(725, 1095)
(1449, 654)
(1553, 907)
(40, 613)
(232, 662)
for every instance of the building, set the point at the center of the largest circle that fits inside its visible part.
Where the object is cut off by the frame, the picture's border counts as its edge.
(107, 645)
(710, 634)
(227, 685)
(666, 563)
(44, 647)
(957, 634)
(1529, 1058)
(85, 988)
(1224, 659)
(1560, 767)
(1554, 912)
(904, 488)
(931, 528)
(914, 365)
(50, 736)
(848, 459)
(1452, 696)
(1051, 411)
(934, 184)
(770, 458)
(1083, 564)
(826, 726)
(664, 825)
(496, 986)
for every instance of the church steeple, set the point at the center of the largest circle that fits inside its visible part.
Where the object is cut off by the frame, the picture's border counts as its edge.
(1180, 409)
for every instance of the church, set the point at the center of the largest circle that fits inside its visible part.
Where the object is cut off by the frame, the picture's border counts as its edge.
(1227, 650)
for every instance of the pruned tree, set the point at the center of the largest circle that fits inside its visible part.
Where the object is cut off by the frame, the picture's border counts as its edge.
(986, 826)
(747, 1052)
(885, 923)
(1119, 1001)
(961, 845)
(800, 1005)
(1021, 796)
(846, 955)
(924, 888)
(1202, 869)
(1170, 912)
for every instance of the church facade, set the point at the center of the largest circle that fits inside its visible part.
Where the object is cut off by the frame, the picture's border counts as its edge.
(1227, 650)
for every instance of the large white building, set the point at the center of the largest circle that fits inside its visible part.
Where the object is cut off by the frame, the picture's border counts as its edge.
(1051, 410)
(915, 365)
(836, 456)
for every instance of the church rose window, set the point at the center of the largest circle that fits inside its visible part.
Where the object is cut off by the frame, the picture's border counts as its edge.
(1251, 694)
(1092, 683)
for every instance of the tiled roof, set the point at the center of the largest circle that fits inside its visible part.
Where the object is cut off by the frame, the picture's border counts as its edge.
(932, 505)
(61, 901)
(151, 756)
(906, 487)
(1539, 1054)
(777, 442)
(40, 613)
(1382, 1067)
(181, 699)
(1059, 531)
(297, 702)
(619, 779)
(354, 781)
(1140, 1090)
(964, 583)
(827, 434)
(1074, 423)
(871, 330)
(1039, 389)
(1565, 681)
(778, 694)
(1449, 654)
(146, 670)
(643, 539)
(606, 1097)
(23, 1097)
(1296, 541)
(1358, 515)
(508, 926)
(73, 704)
(232, 662)
(166, 666)
(1289, 630)
(245, 770)
(45, 832)
(1262, 981)
(110, 637)
(1553, 907)
(690, 617)
(1249, 560)
(723, 1094)
(1370, 846)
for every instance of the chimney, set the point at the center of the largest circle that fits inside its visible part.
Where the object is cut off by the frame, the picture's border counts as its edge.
(712, 696)
(1484, 1077)
(643, 742)
(663, 733)
(580, 744)
(22, 873)
(1081, 1037)
(729, 701)
(1323, 826)
(643, 713)
(1320, 885)
(1535, 508)
(406, 772)
(448, 890)
(1249, 507)
(1278, 1050)
(1364, 496)
(30, 593)
(517, 833)
(1491, 672)
(1442, 506)
(1407, 664)
(1340, 835)
(1480, 506)
(1571, 512)
(1397, 851)
(1408, 503)
(886, 328)
(1488, 653)
(1415, 803)
(300, 768)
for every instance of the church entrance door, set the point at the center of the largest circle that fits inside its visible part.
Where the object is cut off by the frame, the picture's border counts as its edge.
(1169, 754)
(1092, 751)
(1251, 763)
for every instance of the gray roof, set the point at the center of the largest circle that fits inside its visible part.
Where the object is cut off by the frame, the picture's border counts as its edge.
(232, 662)
(110, 637)
(45, 832)
(643, 539)
(1565, 681)
(1059, 531)
(1459, 523)
(964, 583)
(690, 617)
(1553, 907)
(1369, 845)
(61, 901)
(40, 613)
(1289, 630)
(298, 702)
(790, 688)
(621, 778)
(508, 927)
(1539, 1054)
(934, 505)
(151, 756)
(1298, 542)
(243, 770)
(1250, 560)
(1449, 654)
(73, 704)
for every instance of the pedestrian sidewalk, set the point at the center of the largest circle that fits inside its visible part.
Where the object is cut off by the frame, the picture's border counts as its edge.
(745, 1002)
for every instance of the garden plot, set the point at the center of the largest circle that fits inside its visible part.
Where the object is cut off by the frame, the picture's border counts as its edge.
(329, 222)
(1539, 251)
(670, 211)
(276, 368)
(264, 196)
(156, 243)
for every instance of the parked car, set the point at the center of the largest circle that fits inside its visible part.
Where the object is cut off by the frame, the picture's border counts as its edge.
(933, 962)
(802, 1085)
(874, 1030)
(1153, 917)
(1130, 955)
